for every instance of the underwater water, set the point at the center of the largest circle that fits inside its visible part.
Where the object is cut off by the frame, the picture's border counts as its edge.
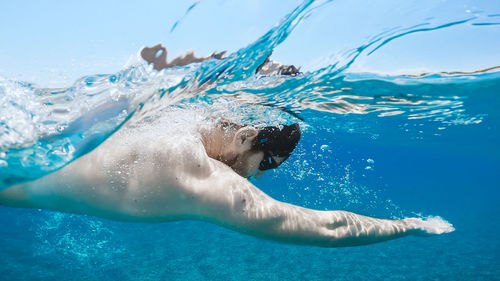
(384, 146)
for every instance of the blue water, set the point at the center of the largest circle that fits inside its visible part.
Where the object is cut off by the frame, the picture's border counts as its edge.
(385, 146)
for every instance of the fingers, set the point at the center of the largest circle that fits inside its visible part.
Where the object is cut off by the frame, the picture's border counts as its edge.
(429, 226)
(149, 54)
(157, 47)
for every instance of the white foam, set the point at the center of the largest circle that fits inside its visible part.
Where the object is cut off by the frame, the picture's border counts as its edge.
(434, 225)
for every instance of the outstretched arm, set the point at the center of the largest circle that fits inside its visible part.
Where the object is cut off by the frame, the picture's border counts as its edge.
(230, 200)
(157, 55)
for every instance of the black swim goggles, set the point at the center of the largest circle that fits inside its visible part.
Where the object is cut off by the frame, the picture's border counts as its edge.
(276, 142)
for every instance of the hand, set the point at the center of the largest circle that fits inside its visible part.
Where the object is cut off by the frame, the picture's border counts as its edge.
(157, 55)
(430, 226)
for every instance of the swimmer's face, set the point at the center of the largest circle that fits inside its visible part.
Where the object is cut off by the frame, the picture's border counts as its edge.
(264, 149)
(247, 164)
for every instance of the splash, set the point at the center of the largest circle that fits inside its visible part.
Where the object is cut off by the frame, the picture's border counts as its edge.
(174, 26)
(41, 130)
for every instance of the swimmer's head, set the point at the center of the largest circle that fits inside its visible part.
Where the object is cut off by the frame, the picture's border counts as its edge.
(257, 150)
(276, 144)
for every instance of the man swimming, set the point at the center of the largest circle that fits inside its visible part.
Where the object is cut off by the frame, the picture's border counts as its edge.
(143, 174)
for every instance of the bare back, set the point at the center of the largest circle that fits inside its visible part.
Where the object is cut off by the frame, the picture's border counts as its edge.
(133, 175)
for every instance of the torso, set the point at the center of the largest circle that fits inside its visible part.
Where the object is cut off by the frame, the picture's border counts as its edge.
(136, 174)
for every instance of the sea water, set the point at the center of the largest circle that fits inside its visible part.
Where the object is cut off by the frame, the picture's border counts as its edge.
(385, 146)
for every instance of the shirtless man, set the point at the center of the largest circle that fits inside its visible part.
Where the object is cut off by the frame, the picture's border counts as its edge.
(142, 174)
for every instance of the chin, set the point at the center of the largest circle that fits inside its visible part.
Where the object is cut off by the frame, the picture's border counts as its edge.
(255, 172)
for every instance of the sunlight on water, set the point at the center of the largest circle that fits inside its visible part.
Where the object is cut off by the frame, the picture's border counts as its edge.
(67, 235)
(41, 130)
(353, 125)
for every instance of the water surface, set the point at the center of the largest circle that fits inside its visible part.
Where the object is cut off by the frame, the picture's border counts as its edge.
(386, 146)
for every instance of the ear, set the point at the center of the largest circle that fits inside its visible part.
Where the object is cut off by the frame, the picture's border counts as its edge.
(243, 138)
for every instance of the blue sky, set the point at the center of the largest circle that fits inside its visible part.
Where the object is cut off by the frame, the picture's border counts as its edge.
(54, 42)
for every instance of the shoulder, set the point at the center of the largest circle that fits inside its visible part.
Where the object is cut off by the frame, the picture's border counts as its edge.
(181, 152)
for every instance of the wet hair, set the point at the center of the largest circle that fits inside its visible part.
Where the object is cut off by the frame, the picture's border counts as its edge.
(271, 140)
(274, 141)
